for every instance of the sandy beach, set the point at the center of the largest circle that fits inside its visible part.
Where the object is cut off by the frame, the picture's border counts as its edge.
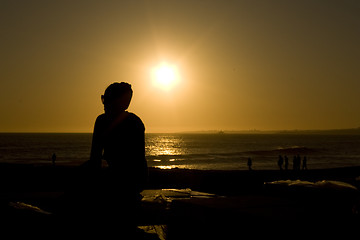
(30, 195)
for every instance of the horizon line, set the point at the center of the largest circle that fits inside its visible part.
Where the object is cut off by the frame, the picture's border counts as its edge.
(203, 131)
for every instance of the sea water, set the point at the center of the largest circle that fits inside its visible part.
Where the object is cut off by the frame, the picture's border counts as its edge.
(192, 151)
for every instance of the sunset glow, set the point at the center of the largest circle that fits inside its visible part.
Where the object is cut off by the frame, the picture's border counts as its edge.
(229, 65)
(165, 76)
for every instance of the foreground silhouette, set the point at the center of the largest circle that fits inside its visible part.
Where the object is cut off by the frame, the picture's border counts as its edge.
(110, 198)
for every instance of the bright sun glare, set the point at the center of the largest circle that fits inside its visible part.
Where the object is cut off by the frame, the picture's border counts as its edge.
(165, 76)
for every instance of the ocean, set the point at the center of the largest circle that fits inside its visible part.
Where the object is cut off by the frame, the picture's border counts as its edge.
(203, 151)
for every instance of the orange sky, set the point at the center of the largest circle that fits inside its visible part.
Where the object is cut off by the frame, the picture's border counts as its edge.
(264, 65)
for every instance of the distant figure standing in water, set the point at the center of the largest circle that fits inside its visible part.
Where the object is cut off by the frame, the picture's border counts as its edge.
(118, 138)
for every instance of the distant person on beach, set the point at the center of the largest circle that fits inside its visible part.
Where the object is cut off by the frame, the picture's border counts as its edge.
(304, 165)
(249, 163)
(118, 138)
(53, 159)
(280, 162)
(296, 163)
(286, 164)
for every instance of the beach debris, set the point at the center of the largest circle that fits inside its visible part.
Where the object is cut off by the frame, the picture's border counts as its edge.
(155, 196)
(291, 183)
(324, 184)
(159, 230)
(167, 195)
(28, 207)
(334, 185)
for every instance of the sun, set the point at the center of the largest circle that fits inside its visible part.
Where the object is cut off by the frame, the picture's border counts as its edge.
(165, 76)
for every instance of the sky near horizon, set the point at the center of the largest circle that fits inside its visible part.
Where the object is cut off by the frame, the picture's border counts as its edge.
(266, 65)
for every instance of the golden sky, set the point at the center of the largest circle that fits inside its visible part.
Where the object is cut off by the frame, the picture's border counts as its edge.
(240, 65)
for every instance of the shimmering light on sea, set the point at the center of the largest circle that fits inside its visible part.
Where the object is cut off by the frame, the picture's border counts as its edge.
(166, 167)
(165, 145)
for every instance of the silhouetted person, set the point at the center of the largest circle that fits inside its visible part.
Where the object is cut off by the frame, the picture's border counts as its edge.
(298, 162)
(286, 164)
(304, 165)
(118, 138)
(249, 163)
(53, 159)
(294, 163)
(280, 162)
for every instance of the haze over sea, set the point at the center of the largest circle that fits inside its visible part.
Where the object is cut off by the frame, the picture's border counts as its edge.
(206, 151)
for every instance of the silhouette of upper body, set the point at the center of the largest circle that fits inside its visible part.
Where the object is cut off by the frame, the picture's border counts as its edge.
(118, 138)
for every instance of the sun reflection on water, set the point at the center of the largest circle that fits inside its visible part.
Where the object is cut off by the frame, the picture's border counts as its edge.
(174, 166)
(165, 151)
(166, 167)
(165, 145)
